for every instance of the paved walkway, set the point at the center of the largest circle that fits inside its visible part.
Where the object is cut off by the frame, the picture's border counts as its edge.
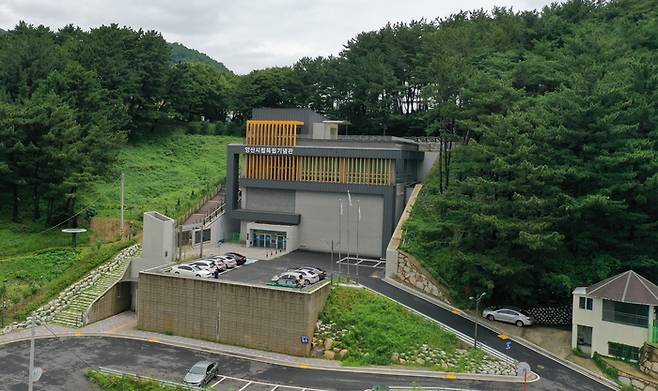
(210, 205)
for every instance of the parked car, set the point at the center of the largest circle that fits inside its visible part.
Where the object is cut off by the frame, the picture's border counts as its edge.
(201, 373)
(286, 280)
(316, 270)
(218, 263)
(191, 271)
(308, 277)
(205, 264)
(239, 258)
(508, 314)
(229, 262)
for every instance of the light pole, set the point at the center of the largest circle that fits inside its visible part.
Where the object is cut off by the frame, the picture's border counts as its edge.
(3, 305)
(477, 314)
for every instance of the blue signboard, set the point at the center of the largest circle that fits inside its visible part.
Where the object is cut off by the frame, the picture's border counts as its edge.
(304, 339)
(508, 345)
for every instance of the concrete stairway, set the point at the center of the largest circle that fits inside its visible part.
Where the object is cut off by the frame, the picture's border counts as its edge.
(72, 315)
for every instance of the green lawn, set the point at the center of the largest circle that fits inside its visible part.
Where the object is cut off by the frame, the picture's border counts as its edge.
(167, 174)
(32, 280)
(372, 328)
(25, 238)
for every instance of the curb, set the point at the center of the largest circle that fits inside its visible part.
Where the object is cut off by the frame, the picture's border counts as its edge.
(366, 370)
(527, 344)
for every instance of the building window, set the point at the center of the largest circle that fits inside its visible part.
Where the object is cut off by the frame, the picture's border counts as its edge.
(624, 352)
(586, 303)
(206, 235)
(626, 313)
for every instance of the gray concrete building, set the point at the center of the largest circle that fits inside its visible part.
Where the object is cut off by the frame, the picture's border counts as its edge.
(293, 175)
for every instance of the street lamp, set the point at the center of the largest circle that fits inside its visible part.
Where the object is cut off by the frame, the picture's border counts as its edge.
(477, 314)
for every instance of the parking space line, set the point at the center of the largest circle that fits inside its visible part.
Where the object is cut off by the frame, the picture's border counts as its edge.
(219, 381)
(274, 385)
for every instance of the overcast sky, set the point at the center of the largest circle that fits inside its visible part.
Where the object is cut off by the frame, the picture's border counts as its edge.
(246, 34)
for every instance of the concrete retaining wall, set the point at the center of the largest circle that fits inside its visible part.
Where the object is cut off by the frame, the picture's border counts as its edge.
(116, 300)
(259, 317)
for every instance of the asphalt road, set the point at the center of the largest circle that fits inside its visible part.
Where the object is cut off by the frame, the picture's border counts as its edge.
(554, 375)
(65, 361)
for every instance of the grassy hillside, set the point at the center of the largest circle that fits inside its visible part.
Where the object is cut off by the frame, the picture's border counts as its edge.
(373, 329)
(167, 174)
(181, 53)
(32, 280)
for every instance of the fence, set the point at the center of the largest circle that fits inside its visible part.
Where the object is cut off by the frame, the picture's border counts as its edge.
(552, 316)
(195, 207)
(116, 372)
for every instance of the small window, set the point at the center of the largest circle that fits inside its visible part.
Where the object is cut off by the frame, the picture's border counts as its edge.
(624, 352)
(586, 303)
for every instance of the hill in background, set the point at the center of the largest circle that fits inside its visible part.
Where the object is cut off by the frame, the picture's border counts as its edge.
(181, 53)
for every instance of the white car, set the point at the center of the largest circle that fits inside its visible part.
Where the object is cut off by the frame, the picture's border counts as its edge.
(308, 276)
(191, 271)
(229, 262)
(205, 264)
(294, 274)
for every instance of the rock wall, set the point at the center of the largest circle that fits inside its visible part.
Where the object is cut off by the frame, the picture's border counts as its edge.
(47, 312)
(412, 273)
(649, 360)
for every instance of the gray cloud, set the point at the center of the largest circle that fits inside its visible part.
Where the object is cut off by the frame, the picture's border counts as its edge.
(246, 34)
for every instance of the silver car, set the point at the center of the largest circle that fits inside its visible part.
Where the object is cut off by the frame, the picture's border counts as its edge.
(512, 315)
(201, 373)
(229, 262)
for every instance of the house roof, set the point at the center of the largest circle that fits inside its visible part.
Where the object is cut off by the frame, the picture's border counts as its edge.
(627, 287)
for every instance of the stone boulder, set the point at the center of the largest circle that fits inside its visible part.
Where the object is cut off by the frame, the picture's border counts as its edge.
(329, 354)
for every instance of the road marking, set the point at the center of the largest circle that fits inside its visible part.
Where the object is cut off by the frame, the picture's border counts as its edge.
(219, 381)
(78, 334)
(152, 340)
(304, 366)
(503, 336)
(451, 376)
(256, 382)
(456, 311)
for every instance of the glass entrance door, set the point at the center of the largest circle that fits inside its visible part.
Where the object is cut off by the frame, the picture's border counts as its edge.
(269, 239)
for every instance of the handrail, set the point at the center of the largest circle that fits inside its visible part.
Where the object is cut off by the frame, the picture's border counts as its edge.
(117, 372)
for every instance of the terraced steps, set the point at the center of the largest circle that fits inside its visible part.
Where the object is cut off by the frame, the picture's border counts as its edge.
(79, 301)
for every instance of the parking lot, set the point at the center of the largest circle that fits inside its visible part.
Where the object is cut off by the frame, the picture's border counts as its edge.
(262, 271)
(228, 383)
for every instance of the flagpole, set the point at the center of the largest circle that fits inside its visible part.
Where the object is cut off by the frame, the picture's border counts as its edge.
(358, 218)
(349, 206)
(340, 241)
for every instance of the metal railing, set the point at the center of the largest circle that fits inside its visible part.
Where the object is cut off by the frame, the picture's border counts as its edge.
(116, 372)
(195, 207)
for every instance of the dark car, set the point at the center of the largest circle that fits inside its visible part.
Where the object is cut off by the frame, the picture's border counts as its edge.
(201, 373)
(239, 258)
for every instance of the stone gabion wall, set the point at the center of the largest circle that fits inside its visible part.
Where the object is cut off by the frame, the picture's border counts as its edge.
(412, 274)
(47, 312)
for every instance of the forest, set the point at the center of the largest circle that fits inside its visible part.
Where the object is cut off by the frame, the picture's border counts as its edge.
(550, 181)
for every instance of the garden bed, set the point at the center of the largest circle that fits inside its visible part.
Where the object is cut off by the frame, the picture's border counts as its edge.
(359, 327)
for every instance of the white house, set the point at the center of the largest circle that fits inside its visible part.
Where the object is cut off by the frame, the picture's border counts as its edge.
(615, 317)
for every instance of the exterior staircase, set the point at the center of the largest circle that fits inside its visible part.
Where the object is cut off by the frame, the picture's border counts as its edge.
(74, 313)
